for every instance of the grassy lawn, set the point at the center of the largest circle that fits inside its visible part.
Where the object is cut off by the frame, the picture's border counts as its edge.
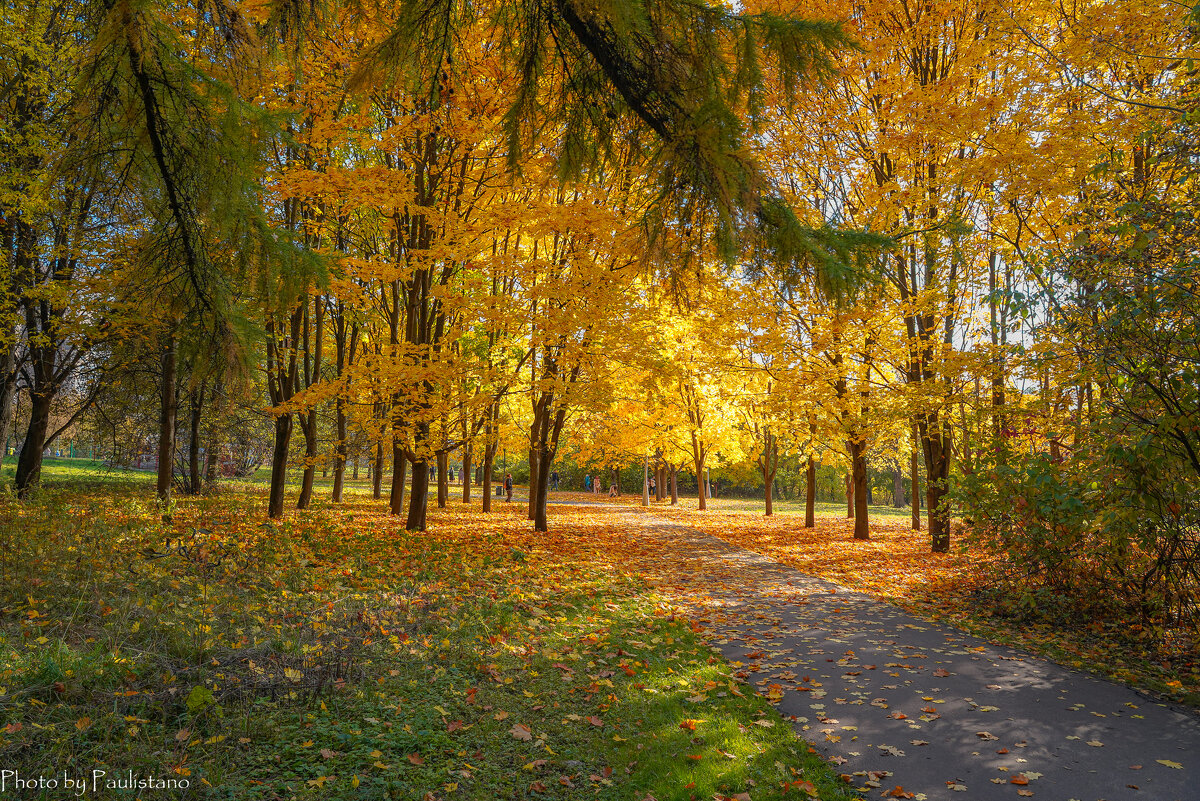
(333, 655)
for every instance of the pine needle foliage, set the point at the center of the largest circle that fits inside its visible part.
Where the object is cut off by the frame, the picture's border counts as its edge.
(594, 75)
(188, 146)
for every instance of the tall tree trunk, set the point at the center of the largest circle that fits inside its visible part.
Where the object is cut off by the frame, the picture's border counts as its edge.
(443, 483)
(279, 460)
(810, 494)
(915, 494)
(674, 485)
(549, 432)
(212, 450)
(489, 458)
(849, 482)
(197, 407)
(466, 471)
(340, 451)
(29, 463)
(540, 490)
(169, 407)
(377, 476)
(8, 392)
(897, 487)
(936, 444)
(768, 464)
(418, 497)
(531, 509)
(862, 530)
(399, 465)
(308, 425)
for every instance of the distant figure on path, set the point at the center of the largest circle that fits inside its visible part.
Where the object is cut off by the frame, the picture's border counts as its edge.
(612, 490)
(554, 478)
(652, 485)
(508, 486)
(587, 482)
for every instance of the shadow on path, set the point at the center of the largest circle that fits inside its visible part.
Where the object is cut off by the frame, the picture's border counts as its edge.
(898, 701)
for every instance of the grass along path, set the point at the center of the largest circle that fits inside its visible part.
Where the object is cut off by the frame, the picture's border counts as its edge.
(332, 655)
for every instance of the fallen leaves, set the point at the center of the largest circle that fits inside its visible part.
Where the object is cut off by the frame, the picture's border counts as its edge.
(521, 732)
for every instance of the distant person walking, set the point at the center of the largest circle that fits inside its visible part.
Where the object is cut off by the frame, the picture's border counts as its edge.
(587, 482)
(612, 490)
(508, 487)
(554, 478)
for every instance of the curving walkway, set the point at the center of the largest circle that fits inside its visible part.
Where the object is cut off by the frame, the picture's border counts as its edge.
(908, 706)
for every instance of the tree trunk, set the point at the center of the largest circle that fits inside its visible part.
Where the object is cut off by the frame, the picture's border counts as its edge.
(810, 494)
(533, 476)
(443, 484)
(936, 445)
(8, 391)
(674, 485)
(914, 477)
(489, 458)
(466, 472)
(699, 456)
(377, 476)
(197, 406)
(169, 407)
(340, 452)
(279, 459)
(418, 498)
(549, 432)
(862, 529)
(29, 463)
(308, 425)
(849, 482)
(399, 465)
(540, 490)
(897, 487)
(768, 465)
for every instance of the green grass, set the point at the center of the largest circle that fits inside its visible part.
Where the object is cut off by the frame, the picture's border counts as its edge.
(333, 655)
(790, 507)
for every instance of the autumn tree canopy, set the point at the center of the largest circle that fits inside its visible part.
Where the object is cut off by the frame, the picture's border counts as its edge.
(949, 243)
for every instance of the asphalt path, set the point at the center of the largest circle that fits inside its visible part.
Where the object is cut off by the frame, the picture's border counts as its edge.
(913, 709)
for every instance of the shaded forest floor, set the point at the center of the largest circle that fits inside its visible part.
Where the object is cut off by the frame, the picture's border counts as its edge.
(959, 588)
